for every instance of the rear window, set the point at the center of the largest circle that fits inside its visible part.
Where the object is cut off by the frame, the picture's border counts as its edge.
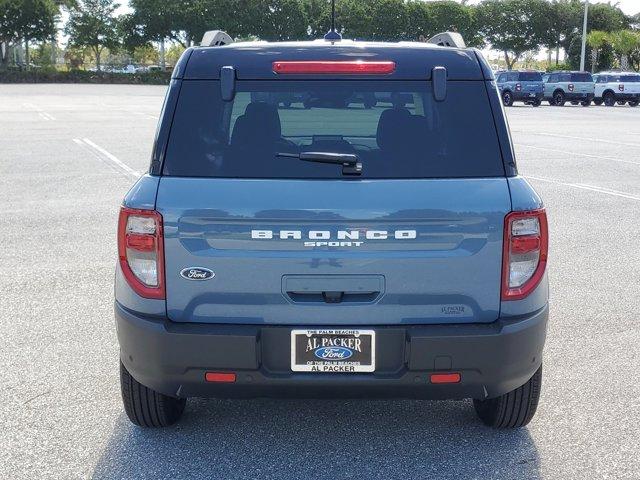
(630, 78)
(530, 77)
(581, 77)
(396, 129)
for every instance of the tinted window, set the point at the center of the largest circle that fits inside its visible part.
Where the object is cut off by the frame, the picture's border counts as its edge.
(581, 77)
(601, 79)
(396, 129)
(554, 78)
(630, 78)
(530, 77)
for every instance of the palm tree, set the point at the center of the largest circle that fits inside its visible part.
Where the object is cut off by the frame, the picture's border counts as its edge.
(596, 40)
(624, 42)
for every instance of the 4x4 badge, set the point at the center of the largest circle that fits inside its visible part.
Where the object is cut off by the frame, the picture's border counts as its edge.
(197, 273)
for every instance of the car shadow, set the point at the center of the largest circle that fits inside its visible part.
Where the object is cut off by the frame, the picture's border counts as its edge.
(234, 439)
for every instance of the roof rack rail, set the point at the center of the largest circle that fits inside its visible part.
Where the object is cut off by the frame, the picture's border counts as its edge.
(215, 38)
(448, 39)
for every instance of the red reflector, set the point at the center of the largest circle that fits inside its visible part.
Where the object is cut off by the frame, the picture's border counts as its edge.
(141, 242)
(445, 378)
(525, 244)
(220, 377)
(335, 67)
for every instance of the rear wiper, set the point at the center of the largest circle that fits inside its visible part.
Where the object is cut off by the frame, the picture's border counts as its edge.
(350, 162)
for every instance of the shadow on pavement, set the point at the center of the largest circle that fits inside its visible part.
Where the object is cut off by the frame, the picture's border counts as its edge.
(312, 439)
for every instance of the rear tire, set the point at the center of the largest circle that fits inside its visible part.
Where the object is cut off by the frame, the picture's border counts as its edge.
(585, 103)
(507, 99)
(609, 99)
(597, 101)
(634, 103)
(536, 103)
(146, 407)
(513, 409)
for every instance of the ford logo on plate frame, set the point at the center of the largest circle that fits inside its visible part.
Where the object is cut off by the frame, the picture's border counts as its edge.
(197, 273)
(333, 353)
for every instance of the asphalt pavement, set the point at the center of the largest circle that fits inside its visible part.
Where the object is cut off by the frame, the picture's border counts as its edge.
(68, 154)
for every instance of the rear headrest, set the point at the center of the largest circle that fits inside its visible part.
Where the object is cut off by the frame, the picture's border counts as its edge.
(267, 114)
(259, 124)
(393, 126)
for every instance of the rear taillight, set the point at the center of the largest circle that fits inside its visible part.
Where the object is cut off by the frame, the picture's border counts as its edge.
(141, 251)
(518, 87)
(341, 67)
(524, 258)
(570, 86)
(621, 87)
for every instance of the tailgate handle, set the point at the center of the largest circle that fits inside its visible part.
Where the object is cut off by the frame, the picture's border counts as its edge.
(333, 288)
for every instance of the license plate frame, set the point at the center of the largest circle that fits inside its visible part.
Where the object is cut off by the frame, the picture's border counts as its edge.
(310, 353)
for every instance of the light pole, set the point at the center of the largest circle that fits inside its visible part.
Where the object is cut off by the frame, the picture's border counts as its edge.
(584, 36)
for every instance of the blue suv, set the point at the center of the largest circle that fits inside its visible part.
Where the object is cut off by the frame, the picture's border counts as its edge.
(517, 86)
(333, 249)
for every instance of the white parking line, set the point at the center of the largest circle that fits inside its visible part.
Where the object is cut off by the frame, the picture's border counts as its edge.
(600, 140)
(587, 155)
(44, 115)
(123, 167)
(584, 186)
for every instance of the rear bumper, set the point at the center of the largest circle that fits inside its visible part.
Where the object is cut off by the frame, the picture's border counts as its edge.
(172, 358)
(627, 96)
(574, 96)
(527, 96)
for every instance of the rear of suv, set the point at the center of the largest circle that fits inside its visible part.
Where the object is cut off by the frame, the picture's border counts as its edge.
(617, 87)
(333, 249)
(520, 86)
(575, 87)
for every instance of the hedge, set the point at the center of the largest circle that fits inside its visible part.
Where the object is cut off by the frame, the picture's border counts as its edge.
(81, 76)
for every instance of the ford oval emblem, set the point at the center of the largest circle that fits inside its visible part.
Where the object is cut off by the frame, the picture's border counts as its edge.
(333, 353)
(197, 273)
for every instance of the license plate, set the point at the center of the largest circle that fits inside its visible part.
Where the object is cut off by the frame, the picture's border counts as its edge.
(333, 351)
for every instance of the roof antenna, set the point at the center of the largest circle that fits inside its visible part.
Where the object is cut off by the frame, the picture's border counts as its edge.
(332, 35)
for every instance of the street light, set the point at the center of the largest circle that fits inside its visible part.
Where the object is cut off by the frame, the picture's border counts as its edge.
(584, 36)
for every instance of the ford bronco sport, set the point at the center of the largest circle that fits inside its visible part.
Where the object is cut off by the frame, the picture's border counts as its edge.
(525, 86)
(617, 87)
(335, 249)
(576, 87)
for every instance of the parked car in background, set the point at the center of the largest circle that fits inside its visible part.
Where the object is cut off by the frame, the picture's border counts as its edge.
(520, 86)
(617, 87)
(563, 86)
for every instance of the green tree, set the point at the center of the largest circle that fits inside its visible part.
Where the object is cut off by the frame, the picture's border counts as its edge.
(92, 24)
(625, 43)
(510, 26)
(596, 39)
(318, 15)
(26, 21)
(275, 20)
(428, 18)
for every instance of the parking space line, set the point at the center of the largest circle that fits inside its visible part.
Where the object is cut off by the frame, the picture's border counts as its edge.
(115, 161)
(584, 186)
(600, 140)
(44, 115)
(587, 155)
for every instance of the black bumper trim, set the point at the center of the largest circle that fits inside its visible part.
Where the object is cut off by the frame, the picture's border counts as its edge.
(172, 358)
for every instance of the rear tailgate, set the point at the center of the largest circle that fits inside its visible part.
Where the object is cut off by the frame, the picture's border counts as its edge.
(447, 271)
